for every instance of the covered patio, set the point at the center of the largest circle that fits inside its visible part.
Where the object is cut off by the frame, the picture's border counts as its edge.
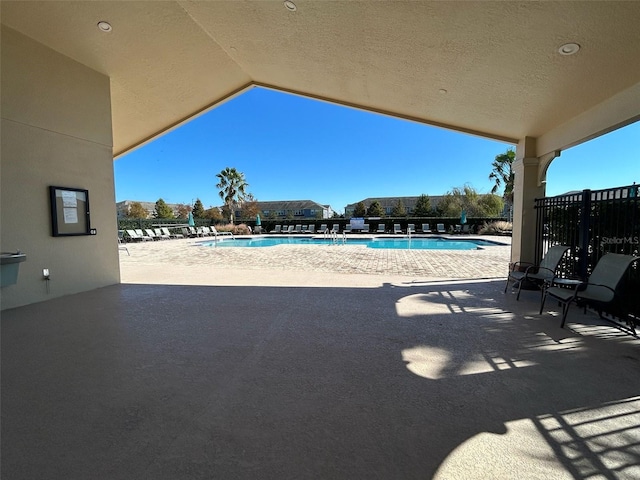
(327, 376)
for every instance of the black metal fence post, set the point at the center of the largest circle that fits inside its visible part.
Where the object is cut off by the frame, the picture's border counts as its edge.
(584, 230)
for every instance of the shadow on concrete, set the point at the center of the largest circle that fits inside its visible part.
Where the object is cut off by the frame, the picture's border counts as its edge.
(413, 380)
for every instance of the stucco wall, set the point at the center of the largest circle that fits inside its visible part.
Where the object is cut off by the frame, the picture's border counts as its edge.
(56, 130)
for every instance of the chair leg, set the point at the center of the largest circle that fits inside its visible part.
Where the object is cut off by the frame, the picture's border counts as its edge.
(565, 311)
(519, 288)
(542, 300)
(507, 284)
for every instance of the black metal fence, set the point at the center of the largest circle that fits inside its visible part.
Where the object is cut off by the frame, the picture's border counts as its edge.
(592, 223)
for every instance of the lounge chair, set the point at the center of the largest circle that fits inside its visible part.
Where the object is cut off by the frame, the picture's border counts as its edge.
(347, 228)
(311, 229)
(323, 228)
(161, 234)
(215, 232)
(381, 228)
(298, 229)
(396, 228)
(122, 246)
(135, 237)
(457, 229)
(152, 234)
(426, 228)
(466, 228)
(288, 229)
(539, 275)
(143, 235)
(277, 229)
(601, 289)
(166, 231)
(440, 228)
(335, 228)
(187, 232)
(365, 228)
(411, 228)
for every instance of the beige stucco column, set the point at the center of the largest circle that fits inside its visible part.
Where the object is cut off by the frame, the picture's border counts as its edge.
(527, 187)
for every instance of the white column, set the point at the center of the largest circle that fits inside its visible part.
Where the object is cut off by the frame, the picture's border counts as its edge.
(527, 187)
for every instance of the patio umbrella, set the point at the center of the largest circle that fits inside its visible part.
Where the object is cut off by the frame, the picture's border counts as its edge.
(463, 217)
(258, 222)
(190, 221)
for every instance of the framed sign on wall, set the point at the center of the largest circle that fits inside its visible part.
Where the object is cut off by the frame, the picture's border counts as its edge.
(69, 211)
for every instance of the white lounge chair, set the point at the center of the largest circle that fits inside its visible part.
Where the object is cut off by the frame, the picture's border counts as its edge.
(161, 234)
(277, 229)
(288, 229)
(426, 228)
(365, 228)
(297, 229)
(166, 231)
(311, 228)
(411, 228)
(396, 228)
(335, 228)
(215, 232)
(347, 228)
(133, 235)
(142, 235)
(323, 228)
(440, 228)
(381, 228)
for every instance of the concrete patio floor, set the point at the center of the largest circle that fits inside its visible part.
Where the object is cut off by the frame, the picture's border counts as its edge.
(283, 374)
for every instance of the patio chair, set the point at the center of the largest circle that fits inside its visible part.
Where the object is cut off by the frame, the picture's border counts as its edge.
(187, 232)
(538, 275)
(347, 228)
(297, 229)
(215, 232)
(335, 228)
(311, 229)
(135, 237)
(466, 228)
(288, 229)
(122, 246)
(440, 228)
(599, 292)
(152, 234)
(457, 228)
(396, 228)
(277, 229)
(323, 228)
(426, 228)
(411, 228)
(381, 228)
(365, 228)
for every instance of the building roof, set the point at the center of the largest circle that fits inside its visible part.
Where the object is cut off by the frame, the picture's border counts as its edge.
(291, 205)
(488, 68)
(386, 202)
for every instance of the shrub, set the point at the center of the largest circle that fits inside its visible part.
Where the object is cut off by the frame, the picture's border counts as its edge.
(496, 228)
(240, 229)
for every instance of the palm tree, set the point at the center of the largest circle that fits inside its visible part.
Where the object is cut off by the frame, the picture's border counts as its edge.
(502, 174)
(232, 185)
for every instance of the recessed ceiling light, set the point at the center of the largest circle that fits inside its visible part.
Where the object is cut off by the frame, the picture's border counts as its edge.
(442, 91)
(289, 5)
(569, 49)
(104, 26)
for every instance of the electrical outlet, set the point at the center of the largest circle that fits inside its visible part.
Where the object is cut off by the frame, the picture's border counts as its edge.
(45, 273)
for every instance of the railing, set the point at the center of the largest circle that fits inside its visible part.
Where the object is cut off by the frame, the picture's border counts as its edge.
(592, 223)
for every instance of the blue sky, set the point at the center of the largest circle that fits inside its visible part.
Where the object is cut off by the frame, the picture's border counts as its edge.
(293, 148)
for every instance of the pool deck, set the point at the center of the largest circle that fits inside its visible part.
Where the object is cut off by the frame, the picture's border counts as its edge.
(486, 263)
(314, 362)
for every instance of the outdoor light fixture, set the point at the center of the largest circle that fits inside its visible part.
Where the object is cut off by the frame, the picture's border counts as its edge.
(289, 5)
(569, 49)
(104, 26)
(442, 91)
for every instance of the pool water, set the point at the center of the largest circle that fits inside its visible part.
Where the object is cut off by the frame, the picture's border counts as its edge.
(434, 243)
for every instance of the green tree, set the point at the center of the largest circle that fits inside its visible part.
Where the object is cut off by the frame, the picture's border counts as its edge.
(399, 210)
(182, 210)
(249, 209)
(468, 199)
(198, 209)
(375, 209)
(423, 206)
(232, 185)
(162, 210)
(213, 213)
(136, 210)
(360, 210)
(502, 174)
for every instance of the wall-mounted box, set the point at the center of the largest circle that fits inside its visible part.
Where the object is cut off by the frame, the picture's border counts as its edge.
(9, 265)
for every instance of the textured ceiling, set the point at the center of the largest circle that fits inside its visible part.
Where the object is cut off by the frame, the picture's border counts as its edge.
(497, 61)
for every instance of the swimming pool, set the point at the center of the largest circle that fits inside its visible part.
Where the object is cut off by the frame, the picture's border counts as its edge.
(431, 243)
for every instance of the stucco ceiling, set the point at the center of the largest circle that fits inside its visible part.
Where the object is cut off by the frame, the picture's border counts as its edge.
(497, 61)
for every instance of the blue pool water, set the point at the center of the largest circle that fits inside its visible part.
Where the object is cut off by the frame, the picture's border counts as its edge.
(434, 243)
